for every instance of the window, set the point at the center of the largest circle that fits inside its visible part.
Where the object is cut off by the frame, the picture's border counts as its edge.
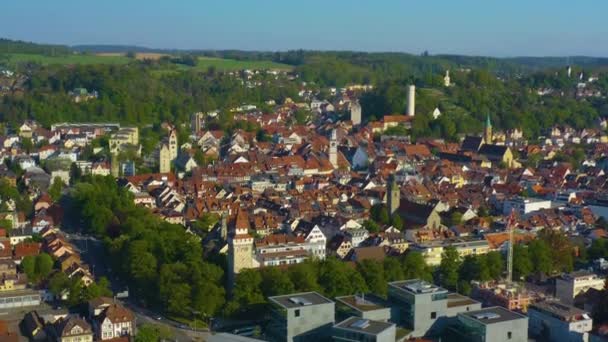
(297, 313)
(509, 335)
(433, 315)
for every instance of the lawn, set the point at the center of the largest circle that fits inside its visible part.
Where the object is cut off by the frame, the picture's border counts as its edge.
(15, 58)
(204, 63)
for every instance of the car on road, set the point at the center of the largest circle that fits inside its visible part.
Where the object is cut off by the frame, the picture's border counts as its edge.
(245, 331)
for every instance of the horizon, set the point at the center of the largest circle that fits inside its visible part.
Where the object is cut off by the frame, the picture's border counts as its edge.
(439, 54)
(469, 28)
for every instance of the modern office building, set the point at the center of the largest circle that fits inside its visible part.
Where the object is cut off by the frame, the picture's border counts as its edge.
(425, 308)
(301, 317)
(357, 329)
(494, 324)
(555, 321)
(366, 306)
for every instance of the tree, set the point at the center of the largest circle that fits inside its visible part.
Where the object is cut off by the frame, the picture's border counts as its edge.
(397, 222)
(337, 279)
(247, 291)
(540, 256)
(153, 333)
(371, 226)
(448, 268)
(598, 249)
(495, 265)
(455, 218)
(560, 250)
(522, 264)
(44, 265)
(56, 188)
(304, 276)
(393, 269)
(373, 273)
(275, 282)
(28, 264)
(383, 216)
(474, 268)
(414, 266)
(58, 283)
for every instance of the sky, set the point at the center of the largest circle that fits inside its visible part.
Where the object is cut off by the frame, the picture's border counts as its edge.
(472, 27)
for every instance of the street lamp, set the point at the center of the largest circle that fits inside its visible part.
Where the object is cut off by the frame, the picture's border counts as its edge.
(194, 313)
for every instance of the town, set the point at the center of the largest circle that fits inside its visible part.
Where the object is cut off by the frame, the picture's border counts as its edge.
(319, 224)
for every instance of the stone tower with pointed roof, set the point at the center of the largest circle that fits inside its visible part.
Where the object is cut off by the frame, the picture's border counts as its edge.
(487, 132)
(393, 195)
(240, 244)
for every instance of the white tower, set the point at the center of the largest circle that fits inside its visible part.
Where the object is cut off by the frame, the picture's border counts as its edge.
(172, 145)
(446, 79)
(569, 70)
(333, 149)
(411, 100)
(355, 113)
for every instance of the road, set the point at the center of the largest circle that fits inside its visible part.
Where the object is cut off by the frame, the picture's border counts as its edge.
(93, 253)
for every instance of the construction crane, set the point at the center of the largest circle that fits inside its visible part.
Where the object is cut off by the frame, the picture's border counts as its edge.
(510, 229)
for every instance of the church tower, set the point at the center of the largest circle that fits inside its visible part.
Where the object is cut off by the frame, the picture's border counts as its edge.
(355, 113)
(164, 159)
(333, 149)
(172, 145)
(393, 195)
(446, 79)
(240, 245)
(487, 132)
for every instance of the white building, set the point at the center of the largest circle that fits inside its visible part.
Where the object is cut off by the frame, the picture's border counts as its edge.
(568, 286)
(524, 206)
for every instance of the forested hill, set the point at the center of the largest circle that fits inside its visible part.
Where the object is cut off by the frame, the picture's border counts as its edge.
(301, 57)
(18, 46)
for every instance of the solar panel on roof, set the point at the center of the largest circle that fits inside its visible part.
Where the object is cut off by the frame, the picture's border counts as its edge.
(360, 324)
(487, 315)
(300, 301)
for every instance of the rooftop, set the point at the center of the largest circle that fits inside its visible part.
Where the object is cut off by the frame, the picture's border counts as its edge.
(579, 274)
(364, 325)
(561, 311)
(455, 299)
(295, 300)
(363, 303)
(417, 286)
(492, 315)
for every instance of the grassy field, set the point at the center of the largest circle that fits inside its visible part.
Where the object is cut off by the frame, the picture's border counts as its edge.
(16, 58)
(117, 58)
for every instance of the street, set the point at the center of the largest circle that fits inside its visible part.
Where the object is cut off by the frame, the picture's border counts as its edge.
(92, 252)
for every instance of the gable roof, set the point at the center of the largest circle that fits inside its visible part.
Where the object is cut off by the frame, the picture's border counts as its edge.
(471, 143)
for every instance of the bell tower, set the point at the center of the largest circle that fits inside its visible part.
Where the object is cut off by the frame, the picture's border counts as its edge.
(487, 133)
(393, 195)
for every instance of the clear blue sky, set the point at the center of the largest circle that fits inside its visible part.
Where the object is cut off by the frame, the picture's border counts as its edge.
(474, 27)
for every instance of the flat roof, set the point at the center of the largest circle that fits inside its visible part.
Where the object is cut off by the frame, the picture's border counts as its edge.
(455, 299)
(299, 300)
(579, 274)
(495, 314)
(368, 302)
(417, 286)
(362, 325)
(226, 337)
(561, 311)
(18, 293)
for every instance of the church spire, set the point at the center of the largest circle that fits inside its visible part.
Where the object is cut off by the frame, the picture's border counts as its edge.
(488, 130)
